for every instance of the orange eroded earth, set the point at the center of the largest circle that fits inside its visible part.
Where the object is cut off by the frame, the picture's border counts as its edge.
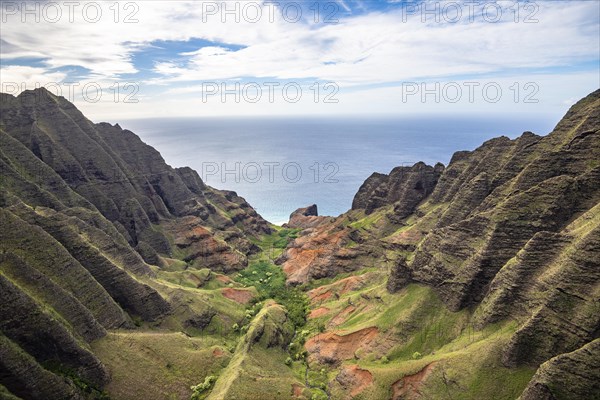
(340, 287)
(218, 352)
(408, 386)
(223, 279)
(239, 295)
(319, 298)
(301, 260)
(297, 390)
(319, 312)
(310, 251)
(332, 347)
(354, 379)
(342, 316)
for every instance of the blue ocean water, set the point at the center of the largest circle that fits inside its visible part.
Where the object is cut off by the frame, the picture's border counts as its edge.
(280, 164)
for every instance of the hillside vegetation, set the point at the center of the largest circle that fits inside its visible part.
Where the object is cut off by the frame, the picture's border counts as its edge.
(124, 278)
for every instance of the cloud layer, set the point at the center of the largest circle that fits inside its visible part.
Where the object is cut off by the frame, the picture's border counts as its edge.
(368, 50)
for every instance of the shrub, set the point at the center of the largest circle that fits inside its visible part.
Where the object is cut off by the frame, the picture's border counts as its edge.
(385, 360)
(200, 388)
(288, 361)
(416, 355)
(319, 396)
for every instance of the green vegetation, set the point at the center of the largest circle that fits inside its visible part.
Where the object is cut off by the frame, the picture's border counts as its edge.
(272, 245)
(369, 221)
(92, 391)
(284, 237)
(259, 353)
(269, 280)
(199, 390)
(146, 365)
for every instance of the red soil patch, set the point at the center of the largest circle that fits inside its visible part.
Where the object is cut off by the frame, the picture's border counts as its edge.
(311, 251)
(355, 379)
(223, 279)
(299, 262)
(218, 353)
(297, 390)
(318, 298)
(408, 387)
(189, 230)
(241, 296)
(348, 284)
(340, 287)
(343, 315)
(319, 312)
(331, 347)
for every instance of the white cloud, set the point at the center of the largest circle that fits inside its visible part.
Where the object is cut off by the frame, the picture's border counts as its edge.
(16, 78)
(365, 49)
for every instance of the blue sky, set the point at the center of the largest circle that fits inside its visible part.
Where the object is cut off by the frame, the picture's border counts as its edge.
(350, 57)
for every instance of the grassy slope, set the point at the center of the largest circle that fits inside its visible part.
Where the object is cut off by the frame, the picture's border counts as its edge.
(466, 360)
(153, 365)
(158, 361)
(163, 360)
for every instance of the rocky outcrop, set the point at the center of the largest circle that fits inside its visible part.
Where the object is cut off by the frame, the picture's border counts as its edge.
(325, 251)
(574, 376)
(84, 209)
(202, 249)
(517, 237)
(354, 380)
(482, 229)
(125, 179)
(307, 217)
(405, 187)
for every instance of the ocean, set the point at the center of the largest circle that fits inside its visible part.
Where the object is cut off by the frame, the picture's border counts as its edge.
(280, 164)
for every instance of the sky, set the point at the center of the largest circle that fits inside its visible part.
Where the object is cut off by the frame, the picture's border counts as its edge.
(144, 59)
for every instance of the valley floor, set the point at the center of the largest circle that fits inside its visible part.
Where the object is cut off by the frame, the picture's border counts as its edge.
(358, 341)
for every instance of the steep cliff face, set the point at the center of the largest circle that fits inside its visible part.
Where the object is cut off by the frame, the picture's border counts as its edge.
(530, 237)
(574, 375)
(518, 237)
(88, 215)
(125, 179)
(405, 187)
(329, 246)
(458, 281)
(506, 232)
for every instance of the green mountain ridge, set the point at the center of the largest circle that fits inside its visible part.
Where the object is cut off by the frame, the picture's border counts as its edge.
(122, 277)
